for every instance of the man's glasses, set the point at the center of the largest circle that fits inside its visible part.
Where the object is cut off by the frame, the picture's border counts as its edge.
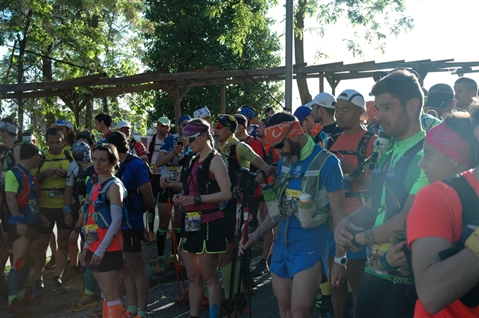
(192, 138)
(219, 126)
(280, 145)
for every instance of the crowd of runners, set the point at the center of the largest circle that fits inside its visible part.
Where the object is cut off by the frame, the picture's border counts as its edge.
(364, 209)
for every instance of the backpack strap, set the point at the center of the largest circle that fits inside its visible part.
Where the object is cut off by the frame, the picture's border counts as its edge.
(467, 196)
(363, 147)
(68, 155)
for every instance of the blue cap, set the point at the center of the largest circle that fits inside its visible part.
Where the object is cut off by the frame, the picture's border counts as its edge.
(302, 112)
(247, 111)
(183, 118)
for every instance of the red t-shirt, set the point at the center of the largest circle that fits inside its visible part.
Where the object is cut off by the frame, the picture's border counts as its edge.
(350, 143)
(257, 147)
(437, 212)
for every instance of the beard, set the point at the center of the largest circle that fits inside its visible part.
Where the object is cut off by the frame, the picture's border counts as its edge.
(294, 152)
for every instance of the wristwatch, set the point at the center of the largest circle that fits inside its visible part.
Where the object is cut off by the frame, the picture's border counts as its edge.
(197, 199)
(342, 261)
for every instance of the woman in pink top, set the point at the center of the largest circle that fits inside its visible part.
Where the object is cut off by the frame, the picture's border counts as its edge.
(205, 185)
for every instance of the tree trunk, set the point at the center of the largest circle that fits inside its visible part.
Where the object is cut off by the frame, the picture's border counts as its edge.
(22, 45)
(299, 51)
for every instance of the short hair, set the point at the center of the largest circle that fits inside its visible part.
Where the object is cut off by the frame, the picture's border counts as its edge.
(120, 141)
(329, 111)
(113, 155)
(470, 84)
(401, 84)
(268, 109)
(53, 132)
(86, 134)
(280, 117)
(27, 151)
(106, 119)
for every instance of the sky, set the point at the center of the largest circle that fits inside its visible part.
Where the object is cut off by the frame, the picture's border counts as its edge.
(441, 31)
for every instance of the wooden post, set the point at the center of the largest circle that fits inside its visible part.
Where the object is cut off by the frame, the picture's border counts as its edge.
(223, 99)
(321, 82)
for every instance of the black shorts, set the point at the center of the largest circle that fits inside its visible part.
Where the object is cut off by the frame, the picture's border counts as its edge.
(382, 298)
(33, 232)
(112, 261)
(56, 216)
(132, 240)
(211, 239)
(166, 194)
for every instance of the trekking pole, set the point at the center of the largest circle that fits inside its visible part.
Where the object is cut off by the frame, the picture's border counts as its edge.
(241, 179)
(178, 268)
(251, 189)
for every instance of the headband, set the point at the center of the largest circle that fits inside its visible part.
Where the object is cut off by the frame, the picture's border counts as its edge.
(194, 127)
(450, 143)
(202, 112)
(277, 132)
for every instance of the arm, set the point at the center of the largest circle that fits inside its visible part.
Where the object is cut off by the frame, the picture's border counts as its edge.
(338, 210)
(393, 227)
(116, 205)
(147, 194)
(219, 170)
(261, 165)
(164, 157)
(165, 182)
(263, 228)
(439, 283)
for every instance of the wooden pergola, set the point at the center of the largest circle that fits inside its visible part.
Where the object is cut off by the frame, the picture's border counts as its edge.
(178, 84)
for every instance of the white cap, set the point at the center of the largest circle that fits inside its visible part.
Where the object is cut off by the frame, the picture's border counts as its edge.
(354, 97)
(123, 124)
(202, 112)
(64, 123)
(324, 100)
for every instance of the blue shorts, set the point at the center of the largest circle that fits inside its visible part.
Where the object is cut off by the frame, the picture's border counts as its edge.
(361, 254)
(286, 263)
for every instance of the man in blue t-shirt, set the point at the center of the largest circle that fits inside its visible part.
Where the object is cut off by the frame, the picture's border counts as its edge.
(134, 175)
(309, 188)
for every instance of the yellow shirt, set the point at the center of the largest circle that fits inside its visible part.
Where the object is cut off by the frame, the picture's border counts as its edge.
(53, 188)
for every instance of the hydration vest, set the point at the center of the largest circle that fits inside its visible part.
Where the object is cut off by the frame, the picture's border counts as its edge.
(203, 183)
(392, 179)
(102, 213)
(311, 183)
(27, 194)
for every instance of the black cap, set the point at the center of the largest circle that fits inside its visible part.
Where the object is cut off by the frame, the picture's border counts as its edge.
(27, 151)
(119, 140)
(228, 121)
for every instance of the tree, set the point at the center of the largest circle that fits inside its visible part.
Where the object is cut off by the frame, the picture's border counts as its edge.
(373, 20)
(68, 39)
(199, 34)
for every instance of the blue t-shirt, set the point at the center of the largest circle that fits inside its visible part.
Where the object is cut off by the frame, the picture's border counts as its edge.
(316, 238)
(134, 176)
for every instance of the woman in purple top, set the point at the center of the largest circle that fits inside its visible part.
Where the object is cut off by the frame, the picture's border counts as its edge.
(205, 185)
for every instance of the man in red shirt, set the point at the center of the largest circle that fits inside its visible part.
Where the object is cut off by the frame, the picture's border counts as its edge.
(103, 124)
(353, 146)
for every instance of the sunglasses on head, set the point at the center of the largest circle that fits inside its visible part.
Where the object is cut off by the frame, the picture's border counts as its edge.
(219, 126)
(280, 145)
(192, 138)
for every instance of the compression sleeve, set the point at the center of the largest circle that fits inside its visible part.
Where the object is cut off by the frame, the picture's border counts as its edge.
(113, 229)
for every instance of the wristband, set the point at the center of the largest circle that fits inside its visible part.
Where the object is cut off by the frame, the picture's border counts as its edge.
(354, 242)
(19, 219)
(77, 229)
(67, 209)
(472, 242)
(388, 266)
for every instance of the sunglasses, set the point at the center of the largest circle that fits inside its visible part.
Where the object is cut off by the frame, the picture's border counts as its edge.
(280, 145)
(192, 138)
(219, 126)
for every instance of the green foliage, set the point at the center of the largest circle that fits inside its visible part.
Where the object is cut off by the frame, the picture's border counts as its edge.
(198, 34)
(372, 20)
(79, 38)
